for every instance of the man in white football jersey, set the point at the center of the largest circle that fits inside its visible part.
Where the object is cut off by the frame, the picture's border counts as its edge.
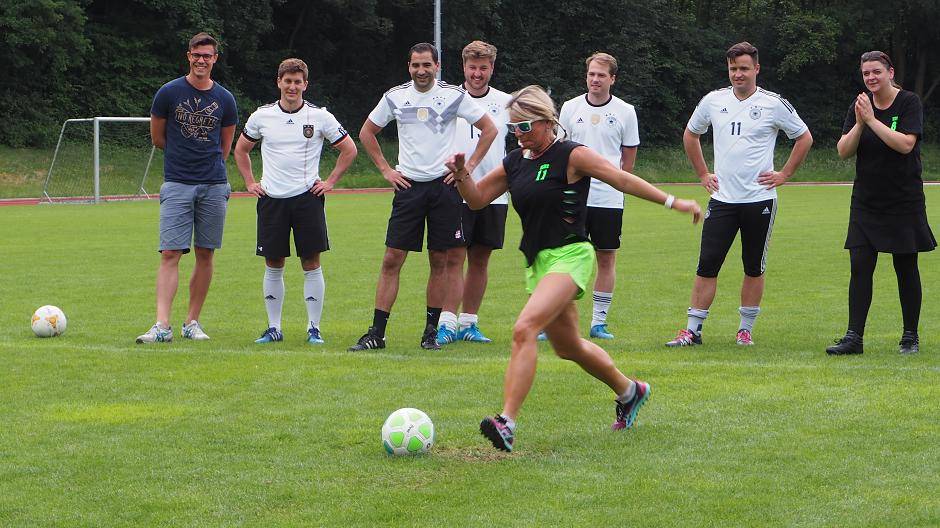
(291, 195)
(426, 112)
(608, 125)
(483, 230)
(745, 120)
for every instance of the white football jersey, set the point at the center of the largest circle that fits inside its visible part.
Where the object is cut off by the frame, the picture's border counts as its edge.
(291, 143)
(744, 134)
(426, 123)
(494, 104)
(606, 129)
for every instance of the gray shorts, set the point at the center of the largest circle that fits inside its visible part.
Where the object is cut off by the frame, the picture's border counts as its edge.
(186, 210)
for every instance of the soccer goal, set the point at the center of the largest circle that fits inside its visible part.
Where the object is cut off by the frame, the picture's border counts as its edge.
(100, 158)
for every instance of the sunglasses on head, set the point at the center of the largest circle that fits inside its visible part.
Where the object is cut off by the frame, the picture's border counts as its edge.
(521, 126)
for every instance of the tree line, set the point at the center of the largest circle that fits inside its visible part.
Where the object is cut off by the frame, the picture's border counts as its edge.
(81, 58)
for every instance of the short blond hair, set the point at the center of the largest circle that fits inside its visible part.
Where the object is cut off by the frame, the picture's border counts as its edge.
(532, 103)
(292, 66)
(604, 59)
(479, 50)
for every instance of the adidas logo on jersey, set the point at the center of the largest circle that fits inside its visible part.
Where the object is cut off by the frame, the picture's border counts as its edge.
(407, 103)
(580, 120)
(766, 211)
(723, 111)
(290, 121)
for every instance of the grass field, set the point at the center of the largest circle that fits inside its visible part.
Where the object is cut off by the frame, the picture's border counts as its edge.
(98, 431)
(23, 171)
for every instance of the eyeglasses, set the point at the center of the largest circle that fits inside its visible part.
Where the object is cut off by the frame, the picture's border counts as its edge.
(521, 126)
(204, 56)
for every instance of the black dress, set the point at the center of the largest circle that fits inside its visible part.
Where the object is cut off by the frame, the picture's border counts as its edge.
(888, 211)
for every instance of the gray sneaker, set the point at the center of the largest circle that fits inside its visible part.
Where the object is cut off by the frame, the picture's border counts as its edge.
(156, 334)
(194, 331)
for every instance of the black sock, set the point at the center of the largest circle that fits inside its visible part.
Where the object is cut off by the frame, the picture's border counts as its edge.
(379, 321)
(909, 289)
(434, 316)
(863, 259)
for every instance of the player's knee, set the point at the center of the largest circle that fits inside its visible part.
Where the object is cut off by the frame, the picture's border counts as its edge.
(753, 271)
(524, 330)
(708, 269)
(392, 262)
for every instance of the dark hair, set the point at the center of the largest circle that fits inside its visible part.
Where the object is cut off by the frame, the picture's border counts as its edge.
(424, 47)
(292, 66)
(203, 39)
(883, 58)
(740, 49)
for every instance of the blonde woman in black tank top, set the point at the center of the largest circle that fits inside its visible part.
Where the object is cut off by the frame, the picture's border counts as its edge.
(548, 180)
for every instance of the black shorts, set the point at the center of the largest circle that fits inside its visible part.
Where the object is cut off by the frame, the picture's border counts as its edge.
(755, 220)
(604, 225)
(485, 227)
(434, 203)
(277, 217)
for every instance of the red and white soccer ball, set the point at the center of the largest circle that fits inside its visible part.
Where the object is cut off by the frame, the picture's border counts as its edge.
(49, 321)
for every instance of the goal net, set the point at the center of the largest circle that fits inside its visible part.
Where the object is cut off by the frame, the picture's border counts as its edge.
(101, 158)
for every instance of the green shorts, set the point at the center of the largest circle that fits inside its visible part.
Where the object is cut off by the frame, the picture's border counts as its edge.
(577, 260)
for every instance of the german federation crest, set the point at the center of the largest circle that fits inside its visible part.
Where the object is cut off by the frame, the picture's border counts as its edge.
(755, 112)
(308, 131)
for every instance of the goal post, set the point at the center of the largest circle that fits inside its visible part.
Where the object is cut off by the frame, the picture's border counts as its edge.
(70, 164)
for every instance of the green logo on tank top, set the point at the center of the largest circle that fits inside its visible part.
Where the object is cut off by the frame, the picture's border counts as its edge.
(894, 122)
(543, 171)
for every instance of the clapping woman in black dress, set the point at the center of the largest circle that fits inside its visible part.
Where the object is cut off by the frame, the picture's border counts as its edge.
(883, 130)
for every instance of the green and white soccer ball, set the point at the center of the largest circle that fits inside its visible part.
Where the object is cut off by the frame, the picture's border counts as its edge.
(407, 432)
(48, 321)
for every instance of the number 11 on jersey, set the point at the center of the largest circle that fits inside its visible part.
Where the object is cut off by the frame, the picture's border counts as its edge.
(735, 128)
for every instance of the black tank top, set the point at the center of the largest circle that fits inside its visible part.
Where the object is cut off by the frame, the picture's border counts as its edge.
(553, 212)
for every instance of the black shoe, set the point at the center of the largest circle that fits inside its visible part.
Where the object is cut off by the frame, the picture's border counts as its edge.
(910, 343)
(850, 344)
(370, 340)
(429, 339)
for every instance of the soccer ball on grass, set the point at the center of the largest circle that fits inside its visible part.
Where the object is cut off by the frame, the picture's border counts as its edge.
(49, 321)
(407, 432)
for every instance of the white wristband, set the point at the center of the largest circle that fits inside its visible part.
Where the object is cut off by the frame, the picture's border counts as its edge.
(670, 199)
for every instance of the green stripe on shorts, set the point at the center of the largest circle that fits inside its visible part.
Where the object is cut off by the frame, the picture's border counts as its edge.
(577, 260)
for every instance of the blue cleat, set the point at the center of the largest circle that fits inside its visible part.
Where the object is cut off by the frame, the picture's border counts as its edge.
(445, 335)
(269, 336)
(542, 336)
(627, 411)
(471, 333)
(313, 336)
(600, 332)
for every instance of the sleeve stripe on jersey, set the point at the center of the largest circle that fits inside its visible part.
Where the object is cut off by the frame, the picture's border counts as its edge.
(399, 87)
(344, 136)
(784, 101)
(249, 138)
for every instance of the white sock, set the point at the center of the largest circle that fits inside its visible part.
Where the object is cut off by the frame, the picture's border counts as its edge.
(314, 288)
(448, 320)
(629, 393)
(464, 320)
(273, 288)
(748, 315)
(696, 319)
(602, 302)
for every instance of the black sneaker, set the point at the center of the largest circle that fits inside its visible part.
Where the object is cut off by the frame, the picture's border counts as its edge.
(851, 343)
(429, 339)
(370, 340)
(910, 343)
